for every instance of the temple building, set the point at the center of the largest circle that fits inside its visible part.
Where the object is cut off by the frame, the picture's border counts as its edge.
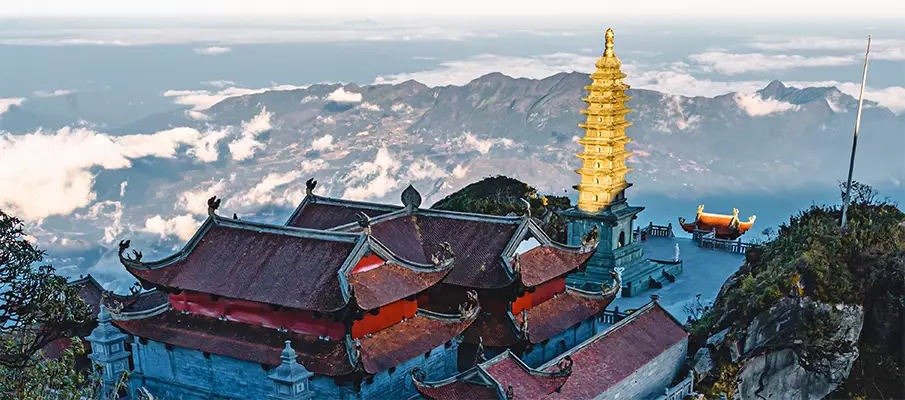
(723, 226)
(361, 292)
(350, 299)
(602, 205)
(637, 358)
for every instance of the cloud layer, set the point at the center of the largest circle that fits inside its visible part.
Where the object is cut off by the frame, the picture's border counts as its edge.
(213, 50)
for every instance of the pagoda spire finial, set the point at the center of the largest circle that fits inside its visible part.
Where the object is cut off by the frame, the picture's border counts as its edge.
(610, 36)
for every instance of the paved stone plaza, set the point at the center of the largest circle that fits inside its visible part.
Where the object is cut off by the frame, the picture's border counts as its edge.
(704, 272)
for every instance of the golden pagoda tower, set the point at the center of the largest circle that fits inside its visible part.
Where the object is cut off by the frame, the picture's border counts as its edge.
(603, 159)
(602, 206)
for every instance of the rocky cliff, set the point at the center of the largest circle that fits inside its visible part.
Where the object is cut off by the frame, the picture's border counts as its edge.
(816, 313)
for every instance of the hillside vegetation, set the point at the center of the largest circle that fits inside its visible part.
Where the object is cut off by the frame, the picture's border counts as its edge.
(811, 260)
(501, 195)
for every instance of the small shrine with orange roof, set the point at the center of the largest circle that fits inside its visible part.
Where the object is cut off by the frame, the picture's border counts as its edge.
(727, 227)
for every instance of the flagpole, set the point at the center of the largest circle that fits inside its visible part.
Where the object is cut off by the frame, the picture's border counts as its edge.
(851, 165)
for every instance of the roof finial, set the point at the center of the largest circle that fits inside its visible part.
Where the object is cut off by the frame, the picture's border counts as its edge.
(609, 43)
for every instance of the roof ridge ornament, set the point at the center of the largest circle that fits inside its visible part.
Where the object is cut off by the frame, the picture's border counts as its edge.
(610, 288)
(524, 326)
(125, 259)
(364, 221)
(310, 184)
(213, 204)
(527, 207)
(591, 239)
(443, 255)
(411, 199)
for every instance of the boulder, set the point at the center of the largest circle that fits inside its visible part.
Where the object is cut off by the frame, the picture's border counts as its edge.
(780, 361)
(702, 364)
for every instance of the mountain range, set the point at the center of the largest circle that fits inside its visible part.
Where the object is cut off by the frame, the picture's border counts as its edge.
(367, 142)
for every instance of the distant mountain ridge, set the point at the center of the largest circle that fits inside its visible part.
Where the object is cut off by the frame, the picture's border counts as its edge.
(366, 142)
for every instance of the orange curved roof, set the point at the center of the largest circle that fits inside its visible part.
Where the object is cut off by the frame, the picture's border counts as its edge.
(726, 226)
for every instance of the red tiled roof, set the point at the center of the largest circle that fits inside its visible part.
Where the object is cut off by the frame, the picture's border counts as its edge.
(401, 342)
(543, 263)
(553, 316)
(325, 215)
(248, 264)
(459, 390)
(605, 360)
(390, 282)
(240, 341)
(525, 385)
(598, 364)
(494, 331)
(477, 245)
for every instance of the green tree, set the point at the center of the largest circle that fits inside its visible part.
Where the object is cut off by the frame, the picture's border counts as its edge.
(36, 305)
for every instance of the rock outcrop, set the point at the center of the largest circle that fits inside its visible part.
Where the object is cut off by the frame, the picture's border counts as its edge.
(798, 349)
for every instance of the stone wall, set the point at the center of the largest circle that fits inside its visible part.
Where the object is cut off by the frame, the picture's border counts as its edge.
(651, 380)
(397, 383)
(571, 337)
(180, 373)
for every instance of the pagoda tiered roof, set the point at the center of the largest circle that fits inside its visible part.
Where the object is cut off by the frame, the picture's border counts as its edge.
(583, 372)
(375, 353)
(484, 245)
(553, 316)
(298, 268)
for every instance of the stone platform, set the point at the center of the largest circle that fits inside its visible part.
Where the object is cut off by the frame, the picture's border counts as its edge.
(703, 272)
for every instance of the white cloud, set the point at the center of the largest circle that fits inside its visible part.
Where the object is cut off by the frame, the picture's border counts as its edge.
(463, 71)
(756, 106)
(372, 179)
(483, 145)
(213, 50)
(65, 181)
(205, 148)
(369, 107)
(197, 115)
(322, 143)
(204, 99)
(880, 49)
(425, 170)
(219, 83)
(55, 93)
(5, 104)
(264, 192)
(342, 96)
(234, 35)
(681, 83)
(459, 171)
(733, 64)
(181, 226)
(111, 213)
(313, 165)
(308, 99)
(246, 146)
(122, 188)
(195, 201)
(892, 97)
(402, 107)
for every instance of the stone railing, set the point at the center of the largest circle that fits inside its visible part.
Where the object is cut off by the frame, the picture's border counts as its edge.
(708, 240)
(655, 230)
(682, 389)
(613, 316)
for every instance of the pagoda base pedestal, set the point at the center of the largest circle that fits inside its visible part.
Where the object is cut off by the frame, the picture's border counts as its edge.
(637, 277)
